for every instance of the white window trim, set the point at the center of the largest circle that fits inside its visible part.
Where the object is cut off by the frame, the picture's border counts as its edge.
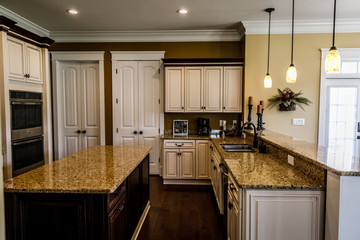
(345, 53)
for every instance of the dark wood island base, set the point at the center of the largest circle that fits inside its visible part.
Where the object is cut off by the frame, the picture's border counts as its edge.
(66, 216)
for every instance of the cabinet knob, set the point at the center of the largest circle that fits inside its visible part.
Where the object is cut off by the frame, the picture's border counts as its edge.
(78, 131)
(212, 160)
(214, 167)
(135, 132)
(230, 206)
(141, 132)
(182, 107)
(121, 207)
(83, 131)
(224, 107)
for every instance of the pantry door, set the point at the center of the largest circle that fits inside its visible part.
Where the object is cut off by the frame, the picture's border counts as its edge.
(343, 115)
(149, 111)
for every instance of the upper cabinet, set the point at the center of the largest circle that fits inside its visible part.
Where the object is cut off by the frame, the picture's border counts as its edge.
(203, 88)
(24, 61)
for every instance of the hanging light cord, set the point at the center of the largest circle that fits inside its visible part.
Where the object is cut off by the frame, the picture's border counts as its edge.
(292, 35)
(334, 24)
(269, 44)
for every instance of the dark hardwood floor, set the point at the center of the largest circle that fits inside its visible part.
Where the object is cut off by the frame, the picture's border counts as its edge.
(181, 212)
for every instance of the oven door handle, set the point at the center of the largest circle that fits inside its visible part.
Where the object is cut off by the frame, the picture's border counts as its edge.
(26, 103)
(26, 142)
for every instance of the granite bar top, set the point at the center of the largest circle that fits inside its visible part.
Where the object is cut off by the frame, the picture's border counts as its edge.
(264, 171)
(188, 137)
(335, 160)
(97, 170)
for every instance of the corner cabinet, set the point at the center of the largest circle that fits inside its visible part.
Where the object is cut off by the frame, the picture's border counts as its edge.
(186, 161)
(202, 87)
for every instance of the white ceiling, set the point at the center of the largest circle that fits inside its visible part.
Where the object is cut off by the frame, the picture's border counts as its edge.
(125, 15)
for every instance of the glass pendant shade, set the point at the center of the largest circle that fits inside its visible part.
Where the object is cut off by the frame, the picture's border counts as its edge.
(332, 60)
(267, 81)
(291, 74)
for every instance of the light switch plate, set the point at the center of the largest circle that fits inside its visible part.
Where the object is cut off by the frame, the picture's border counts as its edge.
(298, 121)
(290, 159)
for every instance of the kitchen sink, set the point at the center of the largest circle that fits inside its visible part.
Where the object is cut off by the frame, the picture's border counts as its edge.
(237, 148)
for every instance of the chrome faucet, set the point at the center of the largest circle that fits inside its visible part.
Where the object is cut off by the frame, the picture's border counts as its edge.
(255, 143)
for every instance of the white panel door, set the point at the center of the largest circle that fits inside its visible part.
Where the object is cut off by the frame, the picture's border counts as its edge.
(149, 110)
(193, 89)
(171, 164)
(33, 63)
(126, 113)
(202, 159)
(69, 103)
(174, 89)
(187, 164)
(213, 89)
(90, 97)
(16, 59)
(232, 89)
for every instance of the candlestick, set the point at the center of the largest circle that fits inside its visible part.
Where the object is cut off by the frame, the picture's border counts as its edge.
(258, 108)
(249, 127)
(250, 100)
(262, 104)
(259, 120)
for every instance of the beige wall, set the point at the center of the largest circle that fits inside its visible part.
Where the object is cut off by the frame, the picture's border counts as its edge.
(307, 58)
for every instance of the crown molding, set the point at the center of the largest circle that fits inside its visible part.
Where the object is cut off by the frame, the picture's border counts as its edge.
(302, 26)
(24, 23)
(148, 36)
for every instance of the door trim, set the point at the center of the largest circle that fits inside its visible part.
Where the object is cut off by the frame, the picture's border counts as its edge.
(83, 56)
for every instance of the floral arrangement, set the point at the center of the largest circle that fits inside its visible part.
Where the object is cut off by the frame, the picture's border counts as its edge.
(287, 100)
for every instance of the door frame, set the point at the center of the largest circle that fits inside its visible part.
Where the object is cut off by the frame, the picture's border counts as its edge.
(77, 56)
(346, 53)
(140, 56)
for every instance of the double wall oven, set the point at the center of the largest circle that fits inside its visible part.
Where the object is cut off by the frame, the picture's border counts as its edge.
(27, 141)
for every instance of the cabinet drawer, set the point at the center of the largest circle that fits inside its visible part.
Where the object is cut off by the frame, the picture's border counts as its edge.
(114, 197)
(235, 191)
(179, 143)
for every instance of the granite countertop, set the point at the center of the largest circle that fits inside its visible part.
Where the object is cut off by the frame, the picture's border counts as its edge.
(335, 160)
(98, 169)
(264, 171)
(188, 137)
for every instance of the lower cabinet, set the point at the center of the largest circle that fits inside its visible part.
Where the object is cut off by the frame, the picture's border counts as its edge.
(186, 160)
(274, 214)
(60, 216)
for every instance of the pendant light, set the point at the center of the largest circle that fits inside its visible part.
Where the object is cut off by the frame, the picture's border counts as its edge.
(267, 79)
(291, 72)
(333, 59)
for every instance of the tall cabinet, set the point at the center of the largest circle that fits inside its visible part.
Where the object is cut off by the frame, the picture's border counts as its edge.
(23, 67)
(201, 87)
(137, 104)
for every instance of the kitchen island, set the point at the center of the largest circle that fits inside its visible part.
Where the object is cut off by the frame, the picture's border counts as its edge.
(101, 192)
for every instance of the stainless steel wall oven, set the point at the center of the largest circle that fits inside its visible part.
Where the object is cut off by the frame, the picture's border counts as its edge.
(26, 131)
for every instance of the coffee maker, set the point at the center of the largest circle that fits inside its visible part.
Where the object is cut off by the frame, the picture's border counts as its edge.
(203, 126)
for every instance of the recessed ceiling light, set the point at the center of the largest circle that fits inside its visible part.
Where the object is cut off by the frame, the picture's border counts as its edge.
(183, 11)
(72, 11)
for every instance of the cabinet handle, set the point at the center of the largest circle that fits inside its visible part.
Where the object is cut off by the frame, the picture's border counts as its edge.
(204, 108)
(179, 145)
(78, 131)
(214, 167)
(135, 132)
(212, 160)
(224, 107)
(121, 207)
(83, 131)
(230, 205)
(231, 186)
(180, 153)
(182, 107)
(141, 132)
(25, 75)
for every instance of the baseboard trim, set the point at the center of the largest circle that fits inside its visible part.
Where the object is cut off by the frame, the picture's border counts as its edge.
(186, 182)
(141, 221)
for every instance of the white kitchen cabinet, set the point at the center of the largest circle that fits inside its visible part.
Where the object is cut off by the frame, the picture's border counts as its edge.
(213, 89)
(233, 89)
(194, 89)
(24, 61)
(179, 163)
(202, 159)
(187, 164)
(174, 89)
(171, 164)
(233, 218)
(216, 178)
(136, 106)
(203, 89)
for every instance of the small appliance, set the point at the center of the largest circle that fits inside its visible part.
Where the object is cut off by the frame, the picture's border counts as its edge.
(203, 126)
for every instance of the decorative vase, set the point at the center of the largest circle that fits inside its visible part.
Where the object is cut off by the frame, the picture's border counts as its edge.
(291, 107)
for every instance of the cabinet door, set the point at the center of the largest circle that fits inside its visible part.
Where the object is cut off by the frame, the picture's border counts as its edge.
(233, 219)
(174, 89)
(16, 57)
(126, 105)
(213, 89)
(133, 191)
(232, 89)
(171, 170)
(193, 89)
(187, 164)
(202, 159)
(117, 221)
(33, 63)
